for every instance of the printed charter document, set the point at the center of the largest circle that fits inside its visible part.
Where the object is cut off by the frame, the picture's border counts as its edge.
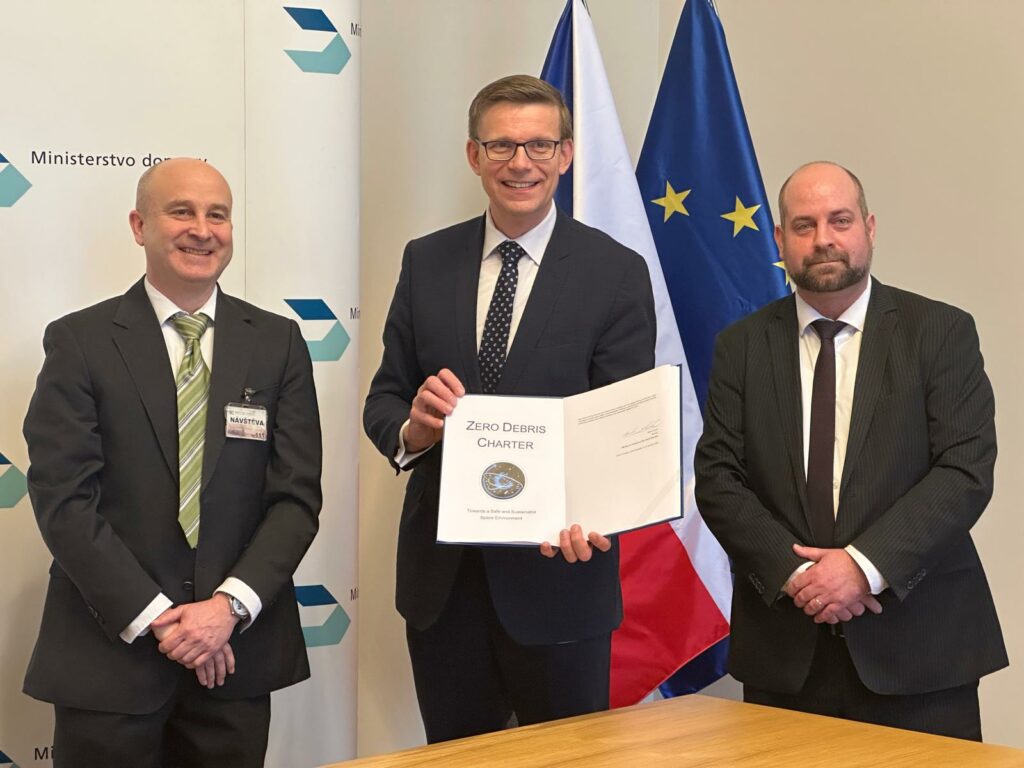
(517, 470)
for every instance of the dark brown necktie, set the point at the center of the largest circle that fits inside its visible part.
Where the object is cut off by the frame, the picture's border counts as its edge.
(822, 443)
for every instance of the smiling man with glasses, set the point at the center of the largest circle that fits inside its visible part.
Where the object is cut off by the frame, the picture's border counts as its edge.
(527, 146)
(523, 300)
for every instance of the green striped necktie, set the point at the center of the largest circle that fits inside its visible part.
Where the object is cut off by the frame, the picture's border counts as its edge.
(193, 385)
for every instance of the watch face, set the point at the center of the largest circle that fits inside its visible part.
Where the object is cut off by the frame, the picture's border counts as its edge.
(238, 609)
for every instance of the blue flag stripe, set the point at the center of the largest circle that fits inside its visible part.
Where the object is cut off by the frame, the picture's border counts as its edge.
(557, 71)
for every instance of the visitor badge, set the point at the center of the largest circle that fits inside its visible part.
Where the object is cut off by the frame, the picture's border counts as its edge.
(245, 421)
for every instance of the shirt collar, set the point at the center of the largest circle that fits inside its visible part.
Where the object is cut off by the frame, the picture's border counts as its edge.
(166, 309)
(533, 242)
(854, 315)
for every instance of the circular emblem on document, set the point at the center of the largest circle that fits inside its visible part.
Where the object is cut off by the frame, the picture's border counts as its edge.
(503, 480)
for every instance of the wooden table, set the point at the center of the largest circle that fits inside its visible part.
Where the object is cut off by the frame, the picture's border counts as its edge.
(702, 731)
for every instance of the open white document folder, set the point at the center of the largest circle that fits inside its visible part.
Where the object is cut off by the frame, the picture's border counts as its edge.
(517, 470)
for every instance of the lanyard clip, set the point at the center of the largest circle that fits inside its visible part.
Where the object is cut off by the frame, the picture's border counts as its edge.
(247, 394)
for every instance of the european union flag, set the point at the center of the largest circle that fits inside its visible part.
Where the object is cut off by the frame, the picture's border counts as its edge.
(703, 191)
(710, 219)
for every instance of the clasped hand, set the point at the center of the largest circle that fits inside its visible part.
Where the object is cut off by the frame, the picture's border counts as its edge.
(196, 636)
(833, 589)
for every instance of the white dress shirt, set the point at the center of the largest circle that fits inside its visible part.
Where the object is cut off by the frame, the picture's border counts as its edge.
(165, 310)
(534, 243)
(847, 344)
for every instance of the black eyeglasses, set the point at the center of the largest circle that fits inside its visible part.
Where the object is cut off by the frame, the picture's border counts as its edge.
(537, 149)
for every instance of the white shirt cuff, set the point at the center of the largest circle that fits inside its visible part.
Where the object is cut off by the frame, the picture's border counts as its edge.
(140, 626)
(401, 457)
(239, 589)
(800, 569)
(876, 581)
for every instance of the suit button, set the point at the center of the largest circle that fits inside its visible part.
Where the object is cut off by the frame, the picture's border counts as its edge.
(188, 586)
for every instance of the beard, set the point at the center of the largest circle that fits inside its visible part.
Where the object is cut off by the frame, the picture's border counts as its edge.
(840, 277)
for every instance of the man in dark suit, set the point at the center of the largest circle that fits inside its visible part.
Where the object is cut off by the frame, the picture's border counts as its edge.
(521, 301)
(153, 577)
(848, 449)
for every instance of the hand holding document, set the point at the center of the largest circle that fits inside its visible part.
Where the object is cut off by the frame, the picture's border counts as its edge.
(518, 470)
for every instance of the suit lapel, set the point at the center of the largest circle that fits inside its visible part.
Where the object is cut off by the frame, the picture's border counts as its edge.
(784, 344)
(547, 287)
(466, 283)
(233, 345)
(138, 338)
(879, 324)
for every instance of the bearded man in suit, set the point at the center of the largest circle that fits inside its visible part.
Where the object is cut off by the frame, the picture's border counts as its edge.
(848, 448)
(520, 301)
(175, 452)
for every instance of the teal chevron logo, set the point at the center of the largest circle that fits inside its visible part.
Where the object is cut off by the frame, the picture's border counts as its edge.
(332, 59)
(333, 627)
(12, 186)
(6, 762)
(13, 487)
(332, 346)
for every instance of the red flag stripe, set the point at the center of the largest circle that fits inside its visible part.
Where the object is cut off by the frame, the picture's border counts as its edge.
(669, 617)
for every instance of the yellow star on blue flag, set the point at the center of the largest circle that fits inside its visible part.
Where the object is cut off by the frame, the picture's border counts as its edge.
(782, 265)
(742, 217)
(672, 202)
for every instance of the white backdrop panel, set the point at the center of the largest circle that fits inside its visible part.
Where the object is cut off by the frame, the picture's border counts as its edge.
(302, 209)
(106, 89)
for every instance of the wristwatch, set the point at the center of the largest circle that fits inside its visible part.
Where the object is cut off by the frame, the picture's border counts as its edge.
(238, 610)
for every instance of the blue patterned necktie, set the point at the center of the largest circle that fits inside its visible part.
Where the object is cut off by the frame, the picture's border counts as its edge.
(193, 387)
(494, 343)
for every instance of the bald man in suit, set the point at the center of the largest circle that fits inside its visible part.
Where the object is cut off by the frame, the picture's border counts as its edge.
(170, 614)
(848, 449)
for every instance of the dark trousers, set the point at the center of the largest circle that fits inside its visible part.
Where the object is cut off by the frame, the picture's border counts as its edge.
(192, 730)
(471, 677)
(833, 688)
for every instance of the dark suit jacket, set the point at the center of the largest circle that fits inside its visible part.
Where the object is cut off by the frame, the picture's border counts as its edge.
(589, 322)
(917, 475)
(103, 444)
